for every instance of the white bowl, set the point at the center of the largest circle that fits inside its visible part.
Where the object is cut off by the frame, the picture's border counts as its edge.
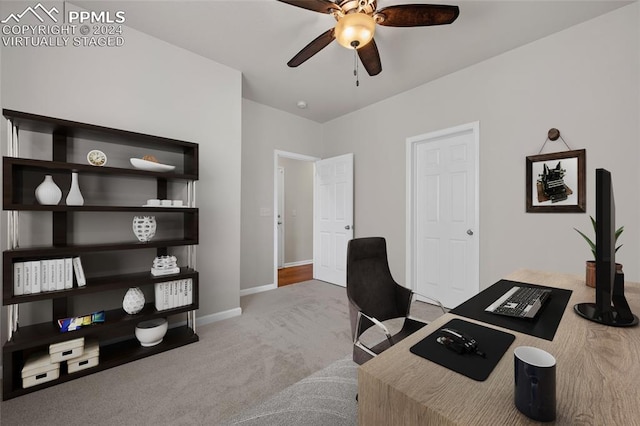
(151, 332)
(139, 163)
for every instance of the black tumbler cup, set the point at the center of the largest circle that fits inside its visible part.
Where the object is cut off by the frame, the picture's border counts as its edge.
(535, 383)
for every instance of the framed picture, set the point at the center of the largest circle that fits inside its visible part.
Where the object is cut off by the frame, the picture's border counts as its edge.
(556, 182)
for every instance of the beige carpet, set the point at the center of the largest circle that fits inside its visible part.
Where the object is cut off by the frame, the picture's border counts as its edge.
(283, 336)
(326, 398)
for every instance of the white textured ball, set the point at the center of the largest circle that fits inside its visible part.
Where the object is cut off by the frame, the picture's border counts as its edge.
(133, 301)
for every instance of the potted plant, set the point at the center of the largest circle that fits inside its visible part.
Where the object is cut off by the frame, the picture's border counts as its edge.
(591, 264)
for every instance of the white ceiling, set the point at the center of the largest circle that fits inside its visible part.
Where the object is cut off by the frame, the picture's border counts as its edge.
(258, 37)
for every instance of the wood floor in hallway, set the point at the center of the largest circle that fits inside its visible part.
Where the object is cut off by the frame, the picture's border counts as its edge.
(295, 274)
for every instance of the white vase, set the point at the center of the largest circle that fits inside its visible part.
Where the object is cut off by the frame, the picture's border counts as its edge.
(133, 301)
(144, 227)
(48, 193)
(74, 198)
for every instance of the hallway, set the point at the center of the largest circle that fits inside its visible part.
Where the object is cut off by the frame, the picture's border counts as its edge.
(295, 274)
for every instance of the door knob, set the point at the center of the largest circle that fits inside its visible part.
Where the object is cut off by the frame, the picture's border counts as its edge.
(347, 227)
(469, 232)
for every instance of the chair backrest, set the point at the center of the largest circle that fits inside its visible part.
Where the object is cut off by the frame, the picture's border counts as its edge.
(370, 286)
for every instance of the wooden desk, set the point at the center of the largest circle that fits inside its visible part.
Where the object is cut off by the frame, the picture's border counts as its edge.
(598, 374)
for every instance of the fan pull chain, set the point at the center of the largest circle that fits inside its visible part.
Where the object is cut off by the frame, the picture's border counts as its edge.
(355, 66)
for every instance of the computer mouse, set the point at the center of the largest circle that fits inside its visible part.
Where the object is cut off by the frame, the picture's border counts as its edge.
(451, 344)
(458, 341)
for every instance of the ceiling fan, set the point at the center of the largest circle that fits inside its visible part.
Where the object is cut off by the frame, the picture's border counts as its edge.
(356, 21)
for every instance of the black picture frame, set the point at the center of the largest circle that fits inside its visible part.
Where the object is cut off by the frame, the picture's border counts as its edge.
(546, 193)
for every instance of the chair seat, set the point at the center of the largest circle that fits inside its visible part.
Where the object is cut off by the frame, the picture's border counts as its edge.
(409, 327)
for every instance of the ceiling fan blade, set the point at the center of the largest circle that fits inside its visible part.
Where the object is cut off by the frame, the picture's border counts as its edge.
(322, 6)
(312, 48)
(370, 58)
(418, 15)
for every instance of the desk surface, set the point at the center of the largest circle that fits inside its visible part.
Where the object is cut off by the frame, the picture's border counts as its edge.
(598, 371)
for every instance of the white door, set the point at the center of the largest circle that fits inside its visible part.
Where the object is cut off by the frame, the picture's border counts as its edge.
(333, 218)
(443, 237)
(281, 216)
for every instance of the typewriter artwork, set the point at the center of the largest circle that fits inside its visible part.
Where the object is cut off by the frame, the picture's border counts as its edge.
(552, 181)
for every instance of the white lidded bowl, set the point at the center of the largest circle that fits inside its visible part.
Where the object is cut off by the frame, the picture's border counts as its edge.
(151, 332)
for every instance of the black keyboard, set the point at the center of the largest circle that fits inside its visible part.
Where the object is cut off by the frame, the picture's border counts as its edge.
(520, 302)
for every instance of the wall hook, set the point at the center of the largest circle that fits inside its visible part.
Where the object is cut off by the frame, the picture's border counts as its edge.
(553, 135)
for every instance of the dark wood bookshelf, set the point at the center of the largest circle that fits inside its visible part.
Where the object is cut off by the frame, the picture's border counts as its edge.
(116, 335)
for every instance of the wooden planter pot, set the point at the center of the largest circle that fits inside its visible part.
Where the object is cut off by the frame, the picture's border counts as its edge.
(590, 278)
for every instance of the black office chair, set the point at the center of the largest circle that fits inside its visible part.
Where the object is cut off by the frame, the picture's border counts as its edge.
(374, 297)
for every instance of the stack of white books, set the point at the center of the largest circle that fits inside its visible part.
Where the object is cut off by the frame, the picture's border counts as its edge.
(47, 275)
(173, 294)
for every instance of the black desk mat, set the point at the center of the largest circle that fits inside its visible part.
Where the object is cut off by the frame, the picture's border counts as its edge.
(493, 343)
(544, 325)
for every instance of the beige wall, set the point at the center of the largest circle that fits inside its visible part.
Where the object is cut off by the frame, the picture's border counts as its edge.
(298, 210)
(583, 81)
(264, 130)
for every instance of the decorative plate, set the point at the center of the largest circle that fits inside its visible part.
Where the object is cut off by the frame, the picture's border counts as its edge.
(139, 163)
(95, 157)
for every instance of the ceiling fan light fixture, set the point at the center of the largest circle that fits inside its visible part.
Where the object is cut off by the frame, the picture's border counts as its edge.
(355, 30)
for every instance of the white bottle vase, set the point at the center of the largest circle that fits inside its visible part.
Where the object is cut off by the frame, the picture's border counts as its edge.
(74, 198)
(48, 193)
(133, 301)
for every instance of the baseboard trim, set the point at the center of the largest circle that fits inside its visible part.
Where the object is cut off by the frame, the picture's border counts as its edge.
(208, 319)
(299, 263)
(258, 289)
(218, 316)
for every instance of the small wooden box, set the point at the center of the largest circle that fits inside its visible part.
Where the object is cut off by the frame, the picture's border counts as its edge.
(88, 359)
(39, 369)
(66, 350)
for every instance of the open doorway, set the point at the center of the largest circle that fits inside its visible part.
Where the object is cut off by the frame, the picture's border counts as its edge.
(293, 207)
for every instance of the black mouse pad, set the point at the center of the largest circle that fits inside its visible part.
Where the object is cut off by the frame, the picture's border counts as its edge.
(493, 343)
(544, 325)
